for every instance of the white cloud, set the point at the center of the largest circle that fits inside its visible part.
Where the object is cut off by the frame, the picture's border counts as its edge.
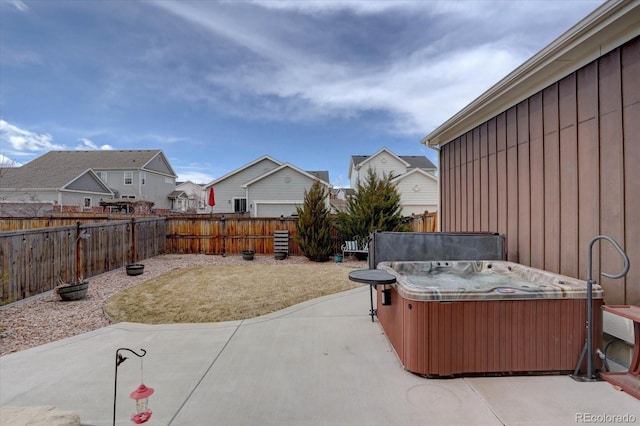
(224, 22)
(282, 61)
(88, 145)
(24, 140)
(360, 7)
(8, 162)
(18, 142)
(288, 79)
(19, 5)
(193, 176)
(419, 91)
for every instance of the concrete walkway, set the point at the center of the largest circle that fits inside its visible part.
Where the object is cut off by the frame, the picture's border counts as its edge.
(322, 362)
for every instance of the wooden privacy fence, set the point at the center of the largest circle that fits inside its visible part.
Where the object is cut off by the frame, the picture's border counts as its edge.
(32, 261)
(427, 222)
(64, 219)
(215, 235)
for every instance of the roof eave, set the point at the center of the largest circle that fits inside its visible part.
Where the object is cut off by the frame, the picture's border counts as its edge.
(244, 167)
(607, 27)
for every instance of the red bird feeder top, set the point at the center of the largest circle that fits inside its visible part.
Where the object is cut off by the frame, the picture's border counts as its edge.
(142, 392)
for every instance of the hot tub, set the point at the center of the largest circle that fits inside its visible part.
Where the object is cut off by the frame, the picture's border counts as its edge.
(452, 318)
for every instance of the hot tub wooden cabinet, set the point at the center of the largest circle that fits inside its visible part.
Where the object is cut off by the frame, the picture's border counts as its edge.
(533, 324)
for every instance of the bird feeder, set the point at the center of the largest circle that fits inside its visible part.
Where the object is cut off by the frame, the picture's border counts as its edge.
(141, 396)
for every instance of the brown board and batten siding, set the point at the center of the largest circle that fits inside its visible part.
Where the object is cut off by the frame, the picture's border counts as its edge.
(630, 63)
(555, 170)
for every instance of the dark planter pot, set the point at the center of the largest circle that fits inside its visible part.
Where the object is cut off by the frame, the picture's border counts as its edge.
(248, 254)
(135, 269)
(73, 291)
(338, 258)
(280, 255)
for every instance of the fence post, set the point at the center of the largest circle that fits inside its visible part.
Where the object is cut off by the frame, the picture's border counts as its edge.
(78, 264)
(133, 241)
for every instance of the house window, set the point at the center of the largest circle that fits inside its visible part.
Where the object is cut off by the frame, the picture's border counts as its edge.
(143, 178)
(240, 205)
(128, 178)
(87, 202)
(102, 176)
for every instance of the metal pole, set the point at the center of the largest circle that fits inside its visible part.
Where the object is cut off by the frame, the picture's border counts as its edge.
(119, 360)
(588, 347)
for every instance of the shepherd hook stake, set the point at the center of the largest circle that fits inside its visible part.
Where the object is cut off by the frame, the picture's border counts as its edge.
(588, 346)
(119, 360)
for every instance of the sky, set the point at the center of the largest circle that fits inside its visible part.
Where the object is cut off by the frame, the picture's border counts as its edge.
(218, 84)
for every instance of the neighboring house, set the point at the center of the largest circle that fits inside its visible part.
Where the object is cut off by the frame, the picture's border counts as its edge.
(338, 199)
(79, 180)
(190, 197)
(549, 155)
(414, 176)
(418, 192)
(264, 188)
(179, 201)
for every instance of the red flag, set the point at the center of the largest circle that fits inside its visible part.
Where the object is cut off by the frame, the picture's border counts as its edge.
(212, 197)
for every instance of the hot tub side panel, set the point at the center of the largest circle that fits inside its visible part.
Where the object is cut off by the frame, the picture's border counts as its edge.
(391, 319)
(489, 337)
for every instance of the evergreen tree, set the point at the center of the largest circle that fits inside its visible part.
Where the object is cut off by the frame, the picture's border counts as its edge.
(375, 206)
(314, 224)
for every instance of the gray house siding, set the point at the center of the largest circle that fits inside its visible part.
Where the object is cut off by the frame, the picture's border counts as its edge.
(278, 193)
(418, 193)
(414, 175)
(78, 199)
(230, 188)
(382, 164)
(26, 195)
(159, 165)
(155, 188)
(86, 182)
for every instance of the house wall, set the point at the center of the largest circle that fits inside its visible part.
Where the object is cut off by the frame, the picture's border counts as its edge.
(76, 199)
(417, 194)
(86, 182)
(279, 193)
(556, 170)
(196, 197)
(27, 196)
(382, 163)
(53, 197)
(158, 164)
(156, 188)
(231, 187)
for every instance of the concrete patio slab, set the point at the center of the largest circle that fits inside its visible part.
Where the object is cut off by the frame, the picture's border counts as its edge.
(322, 362)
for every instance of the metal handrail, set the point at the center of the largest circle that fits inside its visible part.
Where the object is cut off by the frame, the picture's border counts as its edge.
(588, 347)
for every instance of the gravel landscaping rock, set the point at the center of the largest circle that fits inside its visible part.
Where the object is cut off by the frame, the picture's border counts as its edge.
(45, 318)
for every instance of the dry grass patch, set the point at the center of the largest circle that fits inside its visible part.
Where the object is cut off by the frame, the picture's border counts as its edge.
(225, 293)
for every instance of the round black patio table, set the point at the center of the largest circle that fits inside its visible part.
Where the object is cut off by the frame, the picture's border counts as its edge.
(373, 277)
